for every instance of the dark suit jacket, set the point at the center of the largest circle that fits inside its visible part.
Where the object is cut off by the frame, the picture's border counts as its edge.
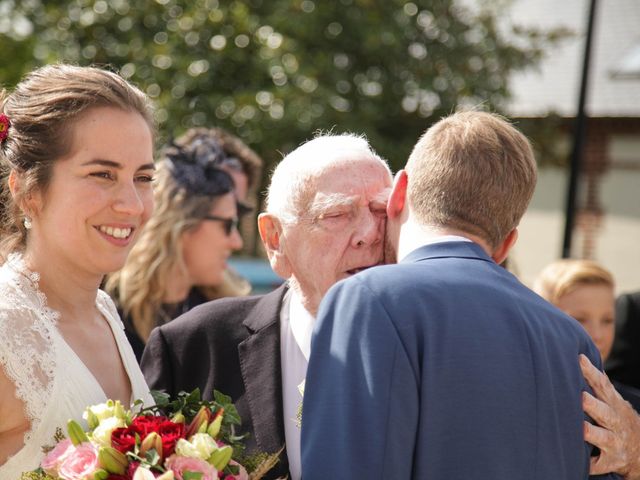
(444, 367)
(630, 394)
(195, 298)
(623, 363)
(231, 345)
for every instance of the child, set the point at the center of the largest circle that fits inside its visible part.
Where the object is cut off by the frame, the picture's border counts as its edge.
(584, 290)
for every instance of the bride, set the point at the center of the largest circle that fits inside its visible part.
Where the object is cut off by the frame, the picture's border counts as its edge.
(76, 151)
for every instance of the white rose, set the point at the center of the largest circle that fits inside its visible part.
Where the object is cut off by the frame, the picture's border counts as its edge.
(101, 411)
(201, 446)
(204, 445)
(185, 449)
(102, 433)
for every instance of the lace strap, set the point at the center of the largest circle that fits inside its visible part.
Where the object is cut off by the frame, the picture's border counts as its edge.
(28, 358)
(27, 326)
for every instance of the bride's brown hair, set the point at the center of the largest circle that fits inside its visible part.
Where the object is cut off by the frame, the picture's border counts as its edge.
(43, 110)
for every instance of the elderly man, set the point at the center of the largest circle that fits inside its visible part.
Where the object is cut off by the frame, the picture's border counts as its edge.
(324, 222)
(445, 366)
(617, 433)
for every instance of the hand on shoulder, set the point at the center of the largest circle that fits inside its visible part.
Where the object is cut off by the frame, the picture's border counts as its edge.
(617, 433)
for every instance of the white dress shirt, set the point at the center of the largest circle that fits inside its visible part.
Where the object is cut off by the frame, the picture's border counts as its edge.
(296, 327)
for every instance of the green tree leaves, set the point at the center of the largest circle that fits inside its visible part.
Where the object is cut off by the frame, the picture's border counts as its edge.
(276, 71)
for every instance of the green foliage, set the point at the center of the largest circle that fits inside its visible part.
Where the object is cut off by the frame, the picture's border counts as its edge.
(261, 463)
(188, 404)
(192, 475)
(36, 475)
(231, 415)
(276, 71)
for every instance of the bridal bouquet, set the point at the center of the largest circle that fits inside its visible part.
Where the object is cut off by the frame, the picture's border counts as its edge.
(184, 439)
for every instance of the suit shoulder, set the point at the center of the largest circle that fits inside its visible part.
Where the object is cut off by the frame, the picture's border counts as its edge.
(224, 310)
(382, 279)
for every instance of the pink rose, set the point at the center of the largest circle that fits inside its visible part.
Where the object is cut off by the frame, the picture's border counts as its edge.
(180, 465)
(51, 462)
(80, 464)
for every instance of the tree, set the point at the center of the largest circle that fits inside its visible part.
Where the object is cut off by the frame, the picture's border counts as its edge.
(276, 71)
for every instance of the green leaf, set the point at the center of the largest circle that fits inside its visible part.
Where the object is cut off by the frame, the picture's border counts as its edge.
(221, 398)
(152, 457)
(192, 475)
(160, 397)
(230, 415)
(194, 396)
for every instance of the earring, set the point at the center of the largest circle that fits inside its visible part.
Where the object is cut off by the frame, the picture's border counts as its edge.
(27, 223)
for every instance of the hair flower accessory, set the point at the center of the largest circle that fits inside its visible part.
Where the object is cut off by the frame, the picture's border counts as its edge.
(4, 127)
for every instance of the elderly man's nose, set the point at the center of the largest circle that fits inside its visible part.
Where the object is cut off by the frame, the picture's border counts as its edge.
(368, 231)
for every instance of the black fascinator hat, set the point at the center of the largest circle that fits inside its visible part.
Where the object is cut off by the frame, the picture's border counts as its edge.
(196, 167)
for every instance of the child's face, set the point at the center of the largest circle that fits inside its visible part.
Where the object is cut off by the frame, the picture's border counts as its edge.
(594, 307)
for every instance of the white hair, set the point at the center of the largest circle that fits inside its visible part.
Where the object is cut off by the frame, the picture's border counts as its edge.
(293, 179)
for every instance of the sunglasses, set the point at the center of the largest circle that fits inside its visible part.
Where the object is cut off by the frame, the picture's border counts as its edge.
(229, 224)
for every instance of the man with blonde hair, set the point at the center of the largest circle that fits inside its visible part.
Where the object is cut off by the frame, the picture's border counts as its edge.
(445, 366)
(324, 222)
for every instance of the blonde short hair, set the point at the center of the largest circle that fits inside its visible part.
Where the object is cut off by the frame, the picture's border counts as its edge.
(564, 276)
(474, 172)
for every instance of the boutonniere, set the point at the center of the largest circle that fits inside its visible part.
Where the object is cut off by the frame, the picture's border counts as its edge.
(299, 414)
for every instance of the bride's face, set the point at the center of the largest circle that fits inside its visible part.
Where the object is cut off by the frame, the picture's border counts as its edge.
(99, 196)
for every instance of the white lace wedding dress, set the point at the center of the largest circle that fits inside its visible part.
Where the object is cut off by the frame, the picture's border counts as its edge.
(50, 379)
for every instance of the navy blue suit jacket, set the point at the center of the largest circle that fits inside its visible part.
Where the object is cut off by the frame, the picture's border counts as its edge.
(444, 367)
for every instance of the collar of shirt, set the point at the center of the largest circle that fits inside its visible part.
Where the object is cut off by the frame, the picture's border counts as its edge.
(446, 238)
(301, 323)
(428, 239)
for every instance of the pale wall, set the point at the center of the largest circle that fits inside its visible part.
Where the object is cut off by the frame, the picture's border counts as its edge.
(618, 243)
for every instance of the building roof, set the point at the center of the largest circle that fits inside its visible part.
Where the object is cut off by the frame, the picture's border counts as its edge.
(614, 76)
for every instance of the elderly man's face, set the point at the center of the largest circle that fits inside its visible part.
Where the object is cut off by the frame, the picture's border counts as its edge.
(342, 232)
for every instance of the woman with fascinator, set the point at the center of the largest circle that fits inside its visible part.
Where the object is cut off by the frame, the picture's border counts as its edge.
(245, 167)
(185, 244)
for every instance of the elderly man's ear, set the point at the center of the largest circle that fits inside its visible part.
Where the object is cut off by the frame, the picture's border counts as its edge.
(270, 230)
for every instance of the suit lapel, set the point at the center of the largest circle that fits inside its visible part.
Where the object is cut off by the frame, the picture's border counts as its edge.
(261, 371)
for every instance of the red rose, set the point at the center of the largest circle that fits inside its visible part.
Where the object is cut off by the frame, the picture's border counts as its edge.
(123, 439)
(170, 432)
(146, 424)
